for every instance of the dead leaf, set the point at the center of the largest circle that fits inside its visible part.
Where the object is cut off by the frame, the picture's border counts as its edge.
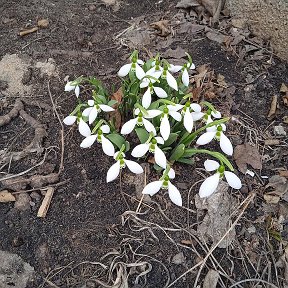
(115, 116)
(283, 263)
(186, 242)
(28, 31)
(190, 28)
(217, 37)
(43, 23)
(6, 196)
(162, 26)
(115, 4)
(280, 186)
(283, 88)
(177, 53)
(238, 23)
(187, 4)
(221, 80)
(283, 173)
(271, 142)
(211, 279)
(285, 119)
(179, 259)
(246, 154)
(285, 99)
(217, 219)
(273, 108)
(271, 199)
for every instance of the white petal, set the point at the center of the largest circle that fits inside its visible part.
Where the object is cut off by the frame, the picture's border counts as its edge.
(174, 68)
(160, 157)
(223, 127)
(159, 140)
(209, 185)
(216, 114)
(124, 70)
(152, 188)
(84, 129)
(185, 78)
(128, 126)
(144, 83)
(91, 102)
(176, 115)
(77, 91)
(149, 126)
(172, 81)
(171, 173)
(106, 108)
(69, 87)
(205, 138)
(175, 107)
(133, 166)
(174, 194)
(146, 99)
(195, 107)
(88, 141)
(140, 62)
(107, 146)
(153, 113)
(87, 111)
(212, 128)
(211, 165)
(113, 172)
(140, 150)
(233, 180)
(139, 72)
(165, 127)
(192, 67)
(93, 115)
(188, 121)
(70, 120)
(137, 111)
(226, 145)
(161, 93)
(197, 115)
(105, 129)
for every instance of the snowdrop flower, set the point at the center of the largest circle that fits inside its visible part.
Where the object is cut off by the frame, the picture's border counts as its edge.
(94, 109)
(151, 145)
(155, 72)
(208, 116)
(209, 186)
(171, 81)
(83, 127)
(141, 120)
(217, 132)
(165, 124)
(185, 75)
(146, 99)
(107, 146)
(187, 111)
(134, 66)
(72, 85)
(121, 163)
(164, 183)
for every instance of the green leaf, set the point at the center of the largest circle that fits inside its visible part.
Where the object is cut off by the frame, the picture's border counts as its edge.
(177, 152)
(186, 161)
(157, 168)
(116, 139)
(172, 138)
(142, 134)
(127, 146)
(112, 102)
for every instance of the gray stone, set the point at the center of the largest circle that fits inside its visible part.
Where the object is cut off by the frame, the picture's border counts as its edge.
(279, 131)
(14, 272)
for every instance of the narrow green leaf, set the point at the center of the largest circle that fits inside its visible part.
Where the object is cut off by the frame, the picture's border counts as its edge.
(116, 139)
(177, 152)
(186, 161)
(142, 134)
(172, 138)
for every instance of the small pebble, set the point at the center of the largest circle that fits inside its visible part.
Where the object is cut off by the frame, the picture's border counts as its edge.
(279, 131)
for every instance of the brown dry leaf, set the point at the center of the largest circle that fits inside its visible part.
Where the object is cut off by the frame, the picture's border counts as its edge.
(285, 99)
(280, 186)
(28, 31)
(283, 88)
(217, 219)
(238, 23)
(246, 154)
(271, 199)
(283, 173)
(190, 28)
(186, 242)
(285, 119)
(221, 80)
(162, 26)
(273, 108)
(283, 263)
(115, 116)
(218, 37)
(6, 196)
(202, 71)
(177, 53)
(43, 23)
(187, 4)
(211, 279)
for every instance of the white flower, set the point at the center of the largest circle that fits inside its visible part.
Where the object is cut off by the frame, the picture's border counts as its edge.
(146, 99)
(71, 85)
(141, 120)
(165, 124)
(94, 109)
(209, 186)
(164, 183)
(134, 66)
(70, 120)
(187, 111)
(107, 146)
(217, 132)
(141, 149)
(185, 75)
(121, 162)
(155, 72)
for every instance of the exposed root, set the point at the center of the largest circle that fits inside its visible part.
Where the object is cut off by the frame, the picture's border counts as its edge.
(18, 106)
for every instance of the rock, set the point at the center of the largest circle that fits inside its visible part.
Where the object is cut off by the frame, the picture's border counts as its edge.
(14, 272)
(279, 131)
(22, 202)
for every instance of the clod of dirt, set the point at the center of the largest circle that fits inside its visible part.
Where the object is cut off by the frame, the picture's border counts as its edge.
(14, 184)
(115, 4)
(178, 259)
(211, 279)
(217, 219)
(246, 154)
(48, 68)
(279, 130)
(6, 196)
(22, 202)
(5, 119)
(43, 23)
(14, 272)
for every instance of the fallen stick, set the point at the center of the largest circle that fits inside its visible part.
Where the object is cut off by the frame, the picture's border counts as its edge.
(5, 119)
(46, 203)
(28, 31)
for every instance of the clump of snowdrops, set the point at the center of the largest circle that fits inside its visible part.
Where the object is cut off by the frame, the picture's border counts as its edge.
(157, 107)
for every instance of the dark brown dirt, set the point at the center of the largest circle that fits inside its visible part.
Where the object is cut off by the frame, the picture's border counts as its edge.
(84, 220)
